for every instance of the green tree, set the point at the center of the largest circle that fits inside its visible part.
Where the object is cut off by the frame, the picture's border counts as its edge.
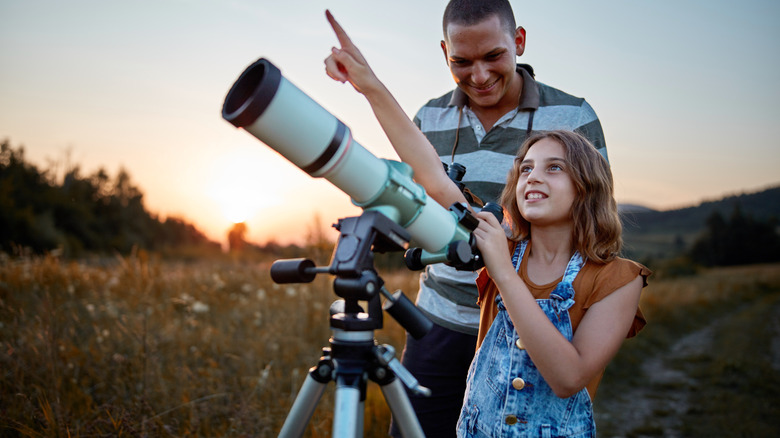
(25, 218)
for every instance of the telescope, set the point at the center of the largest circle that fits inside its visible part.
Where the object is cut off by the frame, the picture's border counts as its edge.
(397, 212)
(276, 112)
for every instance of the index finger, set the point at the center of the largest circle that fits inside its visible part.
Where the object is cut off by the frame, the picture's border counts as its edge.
(340, 33)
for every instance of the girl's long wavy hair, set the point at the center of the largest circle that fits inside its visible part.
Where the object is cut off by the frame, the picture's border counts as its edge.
(597, 229)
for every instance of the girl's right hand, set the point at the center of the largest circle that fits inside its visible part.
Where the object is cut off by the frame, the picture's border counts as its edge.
(493, 245)
(347, 64)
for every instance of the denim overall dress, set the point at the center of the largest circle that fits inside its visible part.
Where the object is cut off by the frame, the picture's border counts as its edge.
(506, 395)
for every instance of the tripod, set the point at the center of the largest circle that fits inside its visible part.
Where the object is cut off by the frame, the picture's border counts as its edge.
(353, 356)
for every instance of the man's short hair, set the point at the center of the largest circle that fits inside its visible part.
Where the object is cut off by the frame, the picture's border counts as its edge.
(470, 12)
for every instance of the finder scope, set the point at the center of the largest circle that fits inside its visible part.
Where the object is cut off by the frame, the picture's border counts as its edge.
(277, 113)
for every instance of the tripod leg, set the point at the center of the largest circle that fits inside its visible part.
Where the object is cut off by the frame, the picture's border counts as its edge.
(346, 418)
(303, 408)
(404, 415)
(360, 426)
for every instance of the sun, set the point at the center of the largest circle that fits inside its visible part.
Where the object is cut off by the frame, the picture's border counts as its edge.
(237, 186)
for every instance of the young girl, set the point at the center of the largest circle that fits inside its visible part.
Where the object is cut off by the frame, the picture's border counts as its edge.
(554, 312)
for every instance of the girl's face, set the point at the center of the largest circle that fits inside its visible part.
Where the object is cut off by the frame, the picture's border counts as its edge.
(545, 191)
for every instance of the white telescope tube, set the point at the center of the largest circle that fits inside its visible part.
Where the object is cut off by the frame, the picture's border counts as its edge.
(276, 112)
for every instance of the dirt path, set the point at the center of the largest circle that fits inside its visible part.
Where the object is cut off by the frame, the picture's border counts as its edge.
(653, 409)
(657, 408)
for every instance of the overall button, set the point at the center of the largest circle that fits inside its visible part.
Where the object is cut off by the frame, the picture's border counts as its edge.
(511, 419)
(518, 383)
(519, 344)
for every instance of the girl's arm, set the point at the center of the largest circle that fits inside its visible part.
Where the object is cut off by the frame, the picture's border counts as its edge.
(348, 64)
(566, 366)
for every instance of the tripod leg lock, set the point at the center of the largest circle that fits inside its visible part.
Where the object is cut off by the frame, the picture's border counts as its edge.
(323, 371)
(386, 356)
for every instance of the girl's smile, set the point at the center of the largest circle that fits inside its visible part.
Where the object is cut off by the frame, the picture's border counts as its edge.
(530, 195)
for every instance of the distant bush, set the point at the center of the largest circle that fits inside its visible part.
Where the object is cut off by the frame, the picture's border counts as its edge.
(681, 266)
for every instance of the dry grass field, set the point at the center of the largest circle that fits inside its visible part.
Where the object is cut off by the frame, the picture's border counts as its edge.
(138, 346)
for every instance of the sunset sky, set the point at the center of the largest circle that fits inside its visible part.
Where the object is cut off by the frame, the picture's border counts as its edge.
(686, 92)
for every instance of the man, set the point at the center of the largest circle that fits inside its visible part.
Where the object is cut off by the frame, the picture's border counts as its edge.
(480, 124)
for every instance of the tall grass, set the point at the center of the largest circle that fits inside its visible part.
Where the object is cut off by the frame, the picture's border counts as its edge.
(140, 346)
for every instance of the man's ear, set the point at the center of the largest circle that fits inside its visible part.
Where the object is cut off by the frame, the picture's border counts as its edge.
(519, 41)
(444, 50)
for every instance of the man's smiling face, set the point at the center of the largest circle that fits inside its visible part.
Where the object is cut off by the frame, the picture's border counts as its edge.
(481, 58)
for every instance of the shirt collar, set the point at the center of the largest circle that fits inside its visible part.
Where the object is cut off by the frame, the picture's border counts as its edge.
(529, 97)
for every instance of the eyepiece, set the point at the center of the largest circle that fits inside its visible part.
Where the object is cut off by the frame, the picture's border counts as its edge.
(496, 209)
(456, 171)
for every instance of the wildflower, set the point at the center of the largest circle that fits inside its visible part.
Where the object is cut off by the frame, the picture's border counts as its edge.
(264, 375)
(218, 282)
(200, 307)
(290, 291)
(261, 294)
(246, 288)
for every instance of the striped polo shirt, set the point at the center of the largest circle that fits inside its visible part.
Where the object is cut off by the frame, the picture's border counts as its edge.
(448, 296)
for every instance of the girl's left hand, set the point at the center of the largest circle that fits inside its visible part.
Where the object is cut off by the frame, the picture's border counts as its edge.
(347, 64)
(493, 244)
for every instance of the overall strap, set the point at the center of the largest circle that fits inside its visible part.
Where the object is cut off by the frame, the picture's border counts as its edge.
(573, 268)
(564, 291)
(518, 254)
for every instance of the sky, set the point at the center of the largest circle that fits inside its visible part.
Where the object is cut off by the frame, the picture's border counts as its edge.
(686, 92)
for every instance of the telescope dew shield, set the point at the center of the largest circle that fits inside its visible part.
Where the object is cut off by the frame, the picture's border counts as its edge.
(280, 115)
(276, 112)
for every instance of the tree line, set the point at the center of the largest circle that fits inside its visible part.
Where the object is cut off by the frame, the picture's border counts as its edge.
(739, 240)
(78, 214)
(99, 213)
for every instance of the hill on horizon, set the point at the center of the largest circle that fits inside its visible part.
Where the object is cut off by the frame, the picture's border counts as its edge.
(651, 234)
